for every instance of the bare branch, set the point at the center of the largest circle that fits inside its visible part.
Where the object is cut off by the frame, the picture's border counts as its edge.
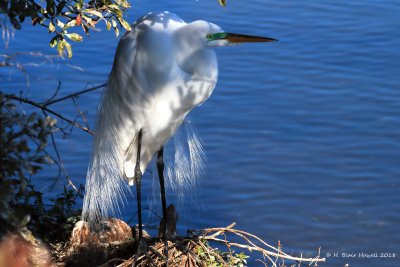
(74, 95)
(277, 253)
(44, 108)
(62, 164)
(82, 114)
(54, 94)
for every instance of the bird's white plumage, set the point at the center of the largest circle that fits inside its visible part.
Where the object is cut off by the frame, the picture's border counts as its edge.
(162, 69)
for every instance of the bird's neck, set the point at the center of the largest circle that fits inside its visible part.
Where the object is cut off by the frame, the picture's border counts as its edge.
(201, 63)
(194, 56)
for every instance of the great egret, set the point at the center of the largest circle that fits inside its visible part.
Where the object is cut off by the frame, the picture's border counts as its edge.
(163, 68)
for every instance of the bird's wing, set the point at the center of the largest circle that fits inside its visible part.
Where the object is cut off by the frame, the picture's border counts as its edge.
(132, 83)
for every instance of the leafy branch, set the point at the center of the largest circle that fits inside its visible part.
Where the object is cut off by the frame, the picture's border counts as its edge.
(62, 17)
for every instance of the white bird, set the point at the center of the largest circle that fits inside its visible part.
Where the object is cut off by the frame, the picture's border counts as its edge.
(163, 68)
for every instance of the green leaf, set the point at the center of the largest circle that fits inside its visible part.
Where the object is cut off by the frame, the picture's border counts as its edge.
(85, 29)
(49, 121)
(68, 48)
(116, 31)
(115, 9)
(123, 3)
(113, 6)
(88, 20)
(118, 13)
(63, 44)
(35, 20)
(24, 221)
(114, 23)
(124, 24)
(108, 25)
(93, 12)
(74, 37)
(79, 5)
(70, 24)
(60, 24)
(52, 28)
(60, 47)
(222, 2)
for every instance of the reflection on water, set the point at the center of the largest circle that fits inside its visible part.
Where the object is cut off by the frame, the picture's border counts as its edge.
(302, 137)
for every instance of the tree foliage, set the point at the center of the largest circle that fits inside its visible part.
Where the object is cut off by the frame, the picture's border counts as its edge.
(23, 140)
(18, 160)
(63, 18)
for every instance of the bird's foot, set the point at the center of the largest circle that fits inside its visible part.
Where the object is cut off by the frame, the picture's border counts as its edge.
(167, 231)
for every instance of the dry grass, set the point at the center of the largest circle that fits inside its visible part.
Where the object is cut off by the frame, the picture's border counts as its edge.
(116, 245)
(198, 248)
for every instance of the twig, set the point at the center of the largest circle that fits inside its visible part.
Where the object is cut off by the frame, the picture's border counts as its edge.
(83, 115)
(278, 254)
(266, 252)
(187, 255)
(248, 234)
(54, 94)
(62, 164)
(11, 61)
(44, 108)
(48, 103)
(111, 261)
(219, 232)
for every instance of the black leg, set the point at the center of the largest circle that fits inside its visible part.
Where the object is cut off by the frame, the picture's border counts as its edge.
(142, 246)
(138, 181)
(160, 169)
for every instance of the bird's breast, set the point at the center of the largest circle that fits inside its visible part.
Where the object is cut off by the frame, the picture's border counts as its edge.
(173, 103)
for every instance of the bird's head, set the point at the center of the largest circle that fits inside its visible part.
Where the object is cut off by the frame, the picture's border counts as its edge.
(203, 34)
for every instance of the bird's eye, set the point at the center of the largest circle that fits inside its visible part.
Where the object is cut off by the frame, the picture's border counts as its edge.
(209, 36)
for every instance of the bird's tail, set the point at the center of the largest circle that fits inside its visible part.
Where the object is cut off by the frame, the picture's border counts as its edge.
(106, 187)
(187, 164)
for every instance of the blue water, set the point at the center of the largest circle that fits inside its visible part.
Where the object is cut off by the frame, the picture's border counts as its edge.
(302, 136)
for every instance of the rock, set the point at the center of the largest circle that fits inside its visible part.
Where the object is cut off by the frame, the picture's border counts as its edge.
(18, 251)
(93, 247)
(108, 231)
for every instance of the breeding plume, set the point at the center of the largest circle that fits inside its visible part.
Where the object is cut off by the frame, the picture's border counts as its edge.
(163, 68)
